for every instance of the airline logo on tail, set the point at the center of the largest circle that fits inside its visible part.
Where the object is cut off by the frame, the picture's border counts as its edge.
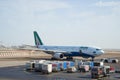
(37, 39)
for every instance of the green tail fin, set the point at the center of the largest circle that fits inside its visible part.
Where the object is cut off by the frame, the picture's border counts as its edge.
(38, 41)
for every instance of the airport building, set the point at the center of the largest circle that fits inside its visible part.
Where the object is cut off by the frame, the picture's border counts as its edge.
(22, 51)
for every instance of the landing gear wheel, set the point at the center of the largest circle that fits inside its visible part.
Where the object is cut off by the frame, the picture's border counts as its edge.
(53, 58)
(92, 58)
(69, 58)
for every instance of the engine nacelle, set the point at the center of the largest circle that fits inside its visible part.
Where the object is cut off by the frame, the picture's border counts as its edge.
(58, 55)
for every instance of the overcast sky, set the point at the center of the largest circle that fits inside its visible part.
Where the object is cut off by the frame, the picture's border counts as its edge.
(61, 22)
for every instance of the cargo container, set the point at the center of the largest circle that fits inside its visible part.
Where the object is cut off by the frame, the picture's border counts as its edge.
(90, 64)
(40, 61)
(38, 67)
(97, 72)
(112, 69)
(106, 71)
(100, 71)
(83, 68)
(55, 66)
(63, 65)
(76, 63)
(97, 63)
(46, 68)
(30, 65)
(80, 63)
(70, 64)
(71, 69)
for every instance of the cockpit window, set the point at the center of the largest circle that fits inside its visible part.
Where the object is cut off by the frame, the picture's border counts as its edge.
(98, 49)
(84, 47)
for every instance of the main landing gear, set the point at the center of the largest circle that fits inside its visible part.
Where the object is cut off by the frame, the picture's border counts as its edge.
(69, 58)
(53, 58)
(93, 58)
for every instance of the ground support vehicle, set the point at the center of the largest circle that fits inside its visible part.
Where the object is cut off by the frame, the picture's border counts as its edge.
(96, 72)
(106, 71)
(46, 68)
(83, 68)
(30, 65)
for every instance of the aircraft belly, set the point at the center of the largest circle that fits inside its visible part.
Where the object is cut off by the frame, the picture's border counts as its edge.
(78, 54)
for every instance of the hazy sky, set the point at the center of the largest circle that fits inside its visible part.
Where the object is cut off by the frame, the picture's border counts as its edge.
(61, 22)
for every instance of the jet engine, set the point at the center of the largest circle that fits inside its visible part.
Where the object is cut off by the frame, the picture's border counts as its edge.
(58, 56)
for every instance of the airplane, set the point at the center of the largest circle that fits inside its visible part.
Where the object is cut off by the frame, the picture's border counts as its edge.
(59, 52)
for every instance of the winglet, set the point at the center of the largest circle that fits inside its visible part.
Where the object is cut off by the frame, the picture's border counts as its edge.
(38, 41)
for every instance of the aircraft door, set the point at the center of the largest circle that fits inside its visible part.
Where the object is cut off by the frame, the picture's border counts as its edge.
(80, 51)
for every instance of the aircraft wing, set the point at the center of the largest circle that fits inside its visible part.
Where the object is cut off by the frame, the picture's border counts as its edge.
(47, 51)
(53, 51)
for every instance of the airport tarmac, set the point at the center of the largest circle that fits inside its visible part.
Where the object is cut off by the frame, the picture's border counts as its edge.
(14, 69)
(19, 73)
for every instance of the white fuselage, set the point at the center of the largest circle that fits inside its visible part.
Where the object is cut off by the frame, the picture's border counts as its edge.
(74, 50)
(68, 51)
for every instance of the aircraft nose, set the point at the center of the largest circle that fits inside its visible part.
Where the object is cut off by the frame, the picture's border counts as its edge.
(100, 53)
